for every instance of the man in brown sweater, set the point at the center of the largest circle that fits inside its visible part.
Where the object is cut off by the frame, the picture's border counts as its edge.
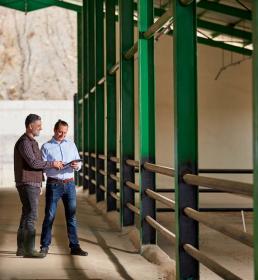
(28, 171)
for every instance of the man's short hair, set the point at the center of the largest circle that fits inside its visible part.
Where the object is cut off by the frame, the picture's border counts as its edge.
(31, 118)
(59, 123)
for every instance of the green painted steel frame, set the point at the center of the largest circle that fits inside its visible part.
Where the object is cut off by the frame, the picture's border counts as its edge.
(24, 6)
(111, 101)
(146, 118)
(186, 134)
(225, 9)
(255, 134)
(99, 97)
(126, 27)
(33, 5)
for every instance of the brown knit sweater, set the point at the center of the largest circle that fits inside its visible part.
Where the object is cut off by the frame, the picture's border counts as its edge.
(28, 163)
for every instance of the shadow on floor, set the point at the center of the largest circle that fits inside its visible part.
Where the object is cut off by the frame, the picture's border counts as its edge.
(109, 247)
(119, 268)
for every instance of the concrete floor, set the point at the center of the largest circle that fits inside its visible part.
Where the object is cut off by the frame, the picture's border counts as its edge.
(111, 254)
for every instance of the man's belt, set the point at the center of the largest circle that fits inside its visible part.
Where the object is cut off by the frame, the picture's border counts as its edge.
(58, 181)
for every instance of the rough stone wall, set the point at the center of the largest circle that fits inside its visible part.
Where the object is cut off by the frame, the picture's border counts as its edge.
(38, 54)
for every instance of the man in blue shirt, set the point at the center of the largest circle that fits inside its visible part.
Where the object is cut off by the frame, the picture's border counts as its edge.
(60, 184)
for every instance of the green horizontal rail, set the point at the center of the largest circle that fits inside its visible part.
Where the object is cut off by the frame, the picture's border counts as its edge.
(223, 29)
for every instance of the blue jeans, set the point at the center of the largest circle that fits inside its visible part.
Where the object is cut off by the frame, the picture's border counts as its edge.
(68, 194)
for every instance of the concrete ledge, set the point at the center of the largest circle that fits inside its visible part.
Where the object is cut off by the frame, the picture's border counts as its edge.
(152, 253)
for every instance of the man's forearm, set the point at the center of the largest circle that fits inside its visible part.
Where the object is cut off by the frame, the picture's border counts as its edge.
(27, 153)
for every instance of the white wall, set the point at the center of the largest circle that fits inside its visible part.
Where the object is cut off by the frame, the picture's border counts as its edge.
(224, 109)
(12, 117)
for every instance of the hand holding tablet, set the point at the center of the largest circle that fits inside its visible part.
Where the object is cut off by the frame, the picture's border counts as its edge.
(75, 160)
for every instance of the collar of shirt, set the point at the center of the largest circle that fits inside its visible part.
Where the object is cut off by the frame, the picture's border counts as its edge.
(53, 140)
(29, 137)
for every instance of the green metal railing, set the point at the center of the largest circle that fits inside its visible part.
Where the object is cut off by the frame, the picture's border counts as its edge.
(110, 167)
(119, 188)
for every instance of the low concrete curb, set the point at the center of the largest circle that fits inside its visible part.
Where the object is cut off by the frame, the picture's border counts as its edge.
(152, 253)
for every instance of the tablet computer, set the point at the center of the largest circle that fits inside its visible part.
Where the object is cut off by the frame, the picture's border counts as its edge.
(75, 160)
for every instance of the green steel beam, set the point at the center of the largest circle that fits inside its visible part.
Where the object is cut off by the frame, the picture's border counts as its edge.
(221, 45)
(99, 95)
(6, 2)
(90, 84)
(255, 134)
(225, 9)
(111, 101)
(33, 5)
(218, 44)
(223, 29)
(224, 46)
(186, 134)
(126, 27)
(146, 118)
(61, 4)
(157, 11)
(21, 6)
(80, 136)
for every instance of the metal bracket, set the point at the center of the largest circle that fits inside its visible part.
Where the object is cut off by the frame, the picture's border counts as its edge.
(185, 2)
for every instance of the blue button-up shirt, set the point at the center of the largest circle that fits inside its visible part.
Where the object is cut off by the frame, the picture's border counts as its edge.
(64, 151)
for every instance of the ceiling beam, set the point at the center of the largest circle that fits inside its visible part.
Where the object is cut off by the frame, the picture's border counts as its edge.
(38, 4)
(225, 9)
(62, 4)
(224, 29)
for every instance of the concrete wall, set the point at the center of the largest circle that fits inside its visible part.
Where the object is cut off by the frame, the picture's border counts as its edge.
(12, 117)
(225, 108)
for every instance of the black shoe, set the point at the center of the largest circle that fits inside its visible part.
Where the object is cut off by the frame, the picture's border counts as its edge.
(78, 252)
(20, 252)
(44, 250)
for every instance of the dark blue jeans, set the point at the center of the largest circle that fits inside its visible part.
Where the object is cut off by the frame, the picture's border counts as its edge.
(68, 194)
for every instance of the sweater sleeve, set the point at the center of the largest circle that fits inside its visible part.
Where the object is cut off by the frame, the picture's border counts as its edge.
(27, 153)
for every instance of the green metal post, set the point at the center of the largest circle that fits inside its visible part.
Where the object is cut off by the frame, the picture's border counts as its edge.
(111, 100)
(146, 118)
(126, 26)
(80, 117)
(255, 132)
(91, 96)
(99, 94)
(186, 133)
